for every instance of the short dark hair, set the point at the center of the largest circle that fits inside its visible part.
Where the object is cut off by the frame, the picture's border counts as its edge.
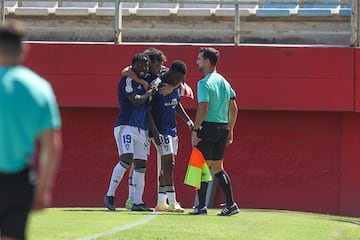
(155, 55)
(179, 66)
(210, 53)
(178, 70)
(12, 33)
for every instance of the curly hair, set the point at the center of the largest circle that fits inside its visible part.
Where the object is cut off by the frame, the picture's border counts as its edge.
(155, 55)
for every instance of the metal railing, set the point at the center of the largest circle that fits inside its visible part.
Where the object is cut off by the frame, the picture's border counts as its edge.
(236, 31)
(355, 24)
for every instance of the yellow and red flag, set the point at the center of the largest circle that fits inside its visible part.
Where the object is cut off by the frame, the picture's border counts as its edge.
(198, 171)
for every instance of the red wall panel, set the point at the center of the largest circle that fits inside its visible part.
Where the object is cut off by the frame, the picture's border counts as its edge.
(287, 78)
(286, 160)
(279, 160)
(89, 154)
(296, 78)
(357, 78)
(350, 165)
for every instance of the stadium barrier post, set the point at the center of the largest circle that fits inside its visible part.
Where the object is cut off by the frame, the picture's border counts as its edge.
(118, 21)
(355, 23)
(237, 24)
(2, 9)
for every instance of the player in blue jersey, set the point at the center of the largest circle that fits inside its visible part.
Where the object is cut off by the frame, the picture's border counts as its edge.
(156, 68)
(28, 112)
(131, 134)
(163, 126)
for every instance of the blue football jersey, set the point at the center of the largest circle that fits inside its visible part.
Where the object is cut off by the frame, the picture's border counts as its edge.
(129, 114)
(164, 112)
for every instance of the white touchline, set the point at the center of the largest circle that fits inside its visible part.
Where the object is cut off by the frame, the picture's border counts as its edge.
(146, 219)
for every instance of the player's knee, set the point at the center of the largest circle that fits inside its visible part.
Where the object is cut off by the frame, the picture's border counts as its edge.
(125, 162)
(140, 166)
(216, 166)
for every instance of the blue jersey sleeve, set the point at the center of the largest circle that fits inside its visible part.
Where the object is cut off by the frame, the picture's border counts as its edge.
(129, 87)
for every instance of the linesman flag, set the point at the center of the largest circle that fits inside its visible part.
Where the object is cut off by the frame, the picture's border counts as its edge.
(198, 171)
(186, 91)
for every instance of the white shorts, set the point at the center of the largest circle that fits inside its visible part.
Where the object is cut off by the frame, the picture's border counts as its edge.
(170, 146)
(132, 140)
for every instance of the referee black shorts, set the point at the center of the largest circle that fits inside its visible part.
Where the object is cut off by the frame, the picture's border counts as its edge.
(15, 203)
(214, 136)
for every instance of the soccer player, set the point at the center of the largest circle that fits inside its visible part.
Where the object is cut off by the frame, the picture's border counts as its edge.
(163, 126)
(213, 128)
(28, 112)
(156, 68)
(131, 134)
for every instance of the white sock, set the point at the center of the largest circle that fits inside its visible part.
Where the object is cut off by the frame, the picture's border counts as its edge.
(131, 190)
(161, 197)
(170, 193)
(116, 177)
(139, 184)
(171, 197)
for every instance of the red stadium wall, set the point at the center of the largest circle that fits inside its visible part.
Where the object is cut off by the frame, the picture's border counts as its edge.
(295, 142)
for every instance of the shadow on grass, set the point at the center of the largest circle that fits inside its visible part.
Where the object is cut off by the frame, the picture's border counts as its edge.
(344, 219)
(91, 210)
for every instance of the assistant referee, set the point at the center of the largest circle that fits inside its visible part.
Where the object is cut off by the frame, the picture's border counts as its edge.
(213, 128)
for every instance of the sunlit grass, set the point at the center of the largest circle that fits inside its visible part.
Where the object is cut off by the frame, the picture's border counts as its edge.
(250, 224)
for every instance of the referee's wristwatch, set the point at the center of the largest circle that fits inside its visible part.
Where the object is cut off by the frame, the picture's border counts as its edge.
(194, 130)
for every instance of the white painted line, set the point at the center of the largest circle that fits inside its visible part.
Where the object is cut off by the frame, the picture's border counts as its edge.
(146, 219)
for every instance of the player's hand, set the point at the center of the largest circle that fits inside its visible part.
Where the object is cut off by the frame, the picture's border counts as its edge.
(166, 89)
(155, 84)
(151, 91)
(159, 139)
(145, 84)
(194, 138)
(230, 138)
(42, 199)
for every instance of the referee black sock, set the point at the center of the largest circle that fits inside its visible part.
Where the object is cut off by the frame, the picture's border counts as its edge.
(202, 194)
(225, 184)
